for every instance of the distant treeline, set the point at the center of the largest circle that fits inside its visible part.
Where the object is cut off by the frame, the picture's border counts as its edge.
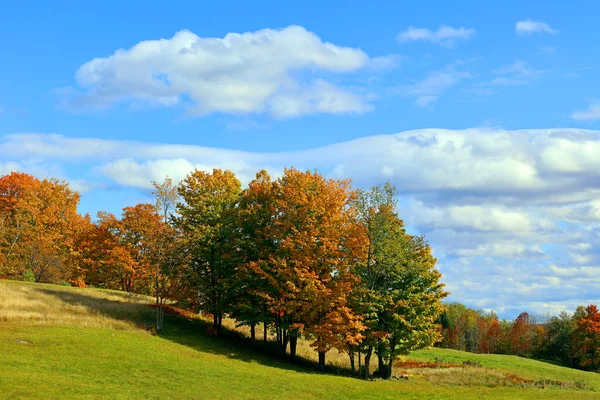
(299, 256)
(568, 339)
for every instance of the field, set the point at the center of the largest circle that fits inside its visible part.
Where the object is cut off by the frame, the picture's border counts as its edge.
(62, 342)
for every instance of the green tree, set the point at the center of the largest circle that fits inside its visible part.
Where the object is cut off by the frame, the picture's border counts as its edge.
(206, 219)
(253, 285)
(400, 295)
(556, 345)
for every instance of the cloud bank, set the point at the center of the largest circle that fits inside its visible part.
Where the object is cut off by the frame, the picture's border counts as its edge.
(513, 216)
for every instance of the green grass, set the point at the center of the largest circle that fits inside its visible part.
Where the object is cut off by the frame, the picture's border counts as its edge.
(106, 353)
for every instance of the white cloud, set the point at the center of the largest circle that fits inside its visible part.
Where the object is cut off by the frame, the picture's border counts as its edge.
(528, 27)
(429, 90)
(504, 249)
(591, 113)
(587, 212)
(528, 164)
(478, 217)
(517, 73)
(252, 72)
(8, 167)
(319, 97)
(445, 35)
(130, 173)
(567, 154)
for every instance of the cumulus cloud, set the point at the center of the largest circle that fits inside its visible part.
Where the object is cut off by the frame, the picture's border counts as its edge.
(529, 27)
(445, 35)
(591, 113)
(484, 217)
(248, 73)
(582, 212)
(472, 162)
(513, 216)
(502, 248)
(130, 173)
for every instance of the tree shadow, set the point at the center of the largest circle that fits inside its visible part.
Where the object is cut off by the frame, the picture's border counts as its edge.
(192, 332)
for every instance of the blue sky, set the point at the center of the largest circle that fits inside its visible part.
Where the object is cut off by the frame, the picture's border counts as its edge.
(485, 115)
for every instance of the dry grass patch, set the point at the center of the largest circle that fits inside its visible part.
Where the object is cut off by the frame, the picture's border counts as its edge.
(469, 374)
(39, 305)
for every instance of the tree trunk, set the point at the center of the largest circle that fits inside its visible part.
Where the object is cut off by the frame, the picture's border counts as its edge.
(215, 321)
(390, 366)
(383, 370)
(157, 305)
(351, 355)
(293, 344)
(284, 341)
(161, 314)
(265, 332)
(368, 354)
(253, 332)
(359, 360)
(265, 325)
(322, 360)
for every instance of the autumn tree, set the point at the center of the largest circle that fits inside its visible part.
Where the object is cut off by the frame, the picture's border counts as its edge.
(36, 221)
(522, 335)
(586, 339)
(98, 258)
(314, 231)
(470, 330)
(490, 342)
(206, 219)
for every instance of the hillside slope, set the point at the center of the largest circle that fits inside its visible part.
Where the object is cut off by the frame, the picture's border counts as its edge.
(60, 342)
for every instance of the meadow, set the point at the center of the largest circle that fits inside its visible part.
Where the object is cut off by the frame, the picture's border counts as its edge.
(63, 342)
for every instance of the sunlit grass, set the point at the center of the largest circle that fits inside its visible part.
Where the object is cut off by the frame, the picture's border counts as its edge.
(38, 304)
(61, 342)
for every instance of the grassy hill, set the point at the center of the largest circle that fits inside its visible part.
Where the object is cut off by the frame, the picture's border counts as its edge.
(61, 342)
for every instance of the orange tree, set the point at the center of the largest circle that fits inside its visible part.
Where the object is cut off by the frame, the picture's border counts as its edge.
(98, 258)
(313, 228)
(36, 223)
(586, 338)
